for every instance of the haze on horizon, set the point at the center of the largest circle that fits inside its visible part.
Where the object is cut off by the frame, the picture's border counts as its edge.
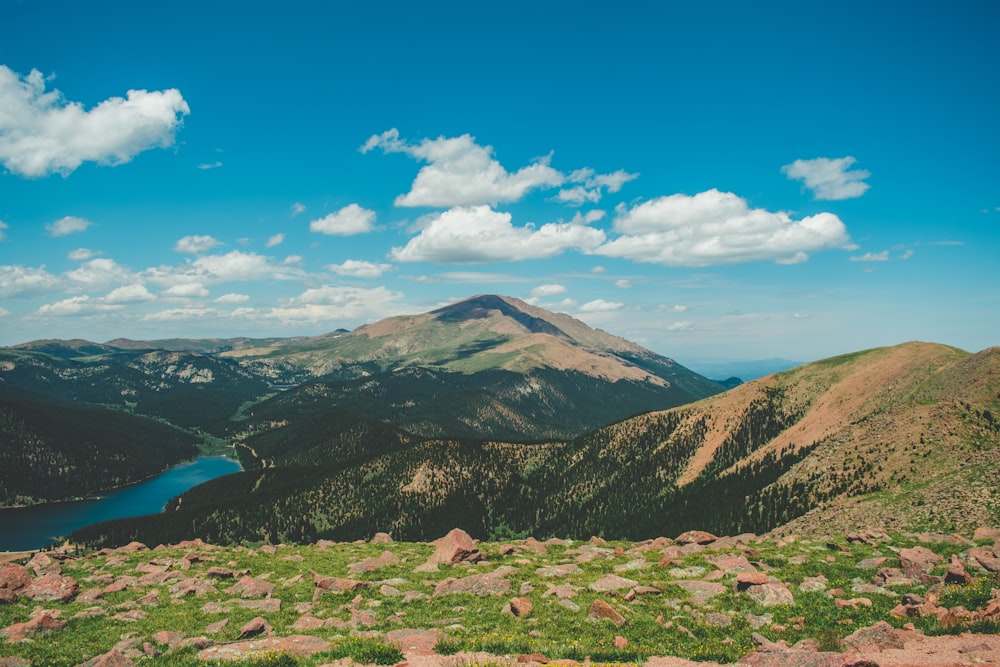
(717, 181)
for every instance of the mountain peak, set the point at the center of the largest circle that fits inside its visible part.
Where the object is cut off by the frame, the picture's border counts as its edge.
(484, 306)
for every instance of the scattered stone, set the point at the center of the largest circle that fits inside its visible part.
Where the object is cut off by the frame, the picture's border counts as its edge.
(52, 587)
(620, 642)
(372, 564)
(718, 620)
(563, 591)
(693, 572)
(987, 558)
(612, 582)
(42, 623)
(477, 584)
(381, 538)
(701, 591)
(520, 607)
(771, 594)
(131, 616)
(249, 587)
(409, 639)
(917, 562)
(745, 580)
(881, 635)
(110, 659)
(602, 611)
(986, 533)
(299, 645)
(559, 570)
(254, 627)
(14, 579)
(537, 658)
(337, 585)
(957, 573)
(813, 584)
(695, 537)
(733, 564)
(455, 547)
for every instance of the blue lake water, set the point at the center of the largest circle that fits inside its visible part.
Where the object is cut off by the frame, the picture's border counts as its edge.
(24, 528)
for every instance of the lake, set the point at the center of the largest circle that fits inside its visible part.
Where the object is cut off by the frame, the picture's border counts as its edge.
(24, 528)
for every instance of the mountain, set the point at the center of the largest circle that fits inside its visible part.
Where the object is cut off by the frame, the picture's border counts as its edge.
(488, 367)
(907, 436)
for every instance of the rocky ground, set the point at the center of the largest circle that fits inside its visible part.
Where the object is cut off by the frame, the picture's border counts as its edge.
(862, 599)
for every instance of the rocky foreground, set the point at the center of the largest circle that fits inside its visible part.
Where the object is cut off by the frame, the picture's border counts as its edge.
(863, 599)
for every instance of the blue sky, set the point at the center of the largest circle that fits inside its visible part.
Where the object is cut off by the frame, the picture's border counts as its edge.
(713, 180)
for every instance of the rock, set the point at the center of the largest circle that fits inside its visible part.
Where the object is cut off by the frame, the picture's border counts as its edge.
(409, 639)
(477, 584)
(520, 607)
(602, 611)
(771, 595)
(733, 564)
(110, 659)
(559, 570)
(880, 635)
(221, 573)
(854, 603)
(131, 616)
(986, 557)
(337, 585)
(362, 619)
(537, 658)
(254, 627)
(785, 657)
(701, 591)
(52, 587)
(14, 579)
(612, 582)
(917, 561)
(745, 580)
(381, 538)
(307, 621)
(455, 547)
(298, 645)
(695, 537)
(813, 584)
(37, 625)
(718, 620)
(956, 572)
(248, 587)
(373, 564)
(563, 591)
(14, 661)
(620, 642)
(169, 639)
(986, 533)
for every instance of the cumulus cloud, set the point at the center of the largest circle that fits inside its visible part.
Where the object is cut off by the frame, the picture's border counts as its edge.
(233, 298)
(186, 291)
(23, 281)
(297, 208)
(99, 273)
(356, 268)
(601, 306)
(67, 225)
(41, 133)
(460, 172)
(81, 254)
(623, 283)
(682, 325)
(473, 234)
(3, 226)
(592, 186)
(210, 165)
(235, 265)
(135, 293)
(713, 228)
(350, 220)
(677, 308)
(332, 304)
(196, 245)
(829, 178)
(77, 305)
(872, 257)
(548, 291)
(274, 239)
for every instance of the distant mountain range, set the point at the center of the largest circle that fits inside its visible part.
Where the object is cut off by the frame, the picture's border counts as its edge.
(505, 419)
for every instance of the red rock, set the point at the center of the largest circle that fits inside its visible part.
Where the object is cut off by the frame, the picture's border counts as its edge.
(299, 645)
(14, 579)
(695, 537)
(372, 564)
(52, 587)
(362, 619)
(221, 573)
(956, 572)
(612, 582)
(337, 584)
(455, 547)
(520, 607)
(537, 658)
(745, 580)
(733, 564)
(409, 639)
(771, 594)
(248, 587)
(918, 561)
(110, 659)
(601, 611)
(986, 533)
(169, 639)
(563, 570)
(254, 627)
(700, 591)
(880, 635)
(477, 584)
(620, 642)
(381, 538)
(986, 558)
(853, 603)
(37, 625)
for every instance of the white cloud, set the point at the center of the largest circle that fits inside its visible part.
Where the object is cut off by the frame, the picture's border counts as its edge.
(350, 220)
(682, 325)
(331, 304)
(592, 186)
(67, 225)
(81, 254)
(479, 277)
(135, 293)
(99, 273)
(460, 172)
(186, 291)
(4, 312)
(622, 283)
(467, 235)
(235, 265)
(196, 245)
(548, 291)
(293, 259)
(872, 257)
(232, 298)
(26, 281)
(829, 178)
(77, 305)
(41, 133)
(297, 208)
(677, 308)
(801, 316)
(210, 165)
(185, 314)
(588, 217)
(713, 227)
(601, 306)
(906, 255)
(359, 269)
(275, 239)
(3, 226)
